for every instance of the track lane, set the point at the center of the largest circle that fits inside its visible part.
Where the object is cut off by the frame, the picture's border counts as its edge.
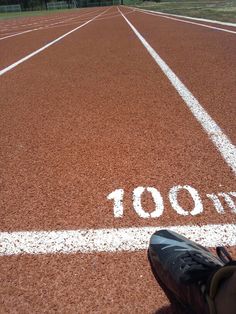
(203, 59)
(36, 20)
(217, 25)
(109, 141)
(103, 116)
(79, 283)
(71, 19)
(15, 48)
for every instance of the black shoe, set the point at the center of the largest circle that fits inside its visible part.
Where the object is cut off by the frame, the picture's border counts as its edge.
(187, 272)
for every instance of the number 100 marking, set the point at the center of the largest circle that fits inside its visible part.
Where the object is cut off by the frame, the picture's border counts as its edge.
(118, 195)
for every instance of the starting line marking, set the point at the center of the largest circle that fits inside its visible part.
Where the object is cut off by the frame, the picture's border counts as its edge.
(107, 240)
(219, 139)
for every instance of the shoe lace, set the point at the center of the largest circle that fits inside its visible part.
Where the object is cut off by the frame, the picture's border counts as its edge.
(196, 267)
(223, 254)
(193, 259)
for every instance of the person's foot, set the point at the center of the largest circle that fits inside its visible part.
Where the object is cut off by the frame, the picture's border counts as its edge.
(188, 273)
(226, 296)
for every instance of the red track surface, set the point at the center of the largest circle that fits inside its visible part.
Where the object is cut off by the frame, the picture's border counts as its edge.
(94, 113)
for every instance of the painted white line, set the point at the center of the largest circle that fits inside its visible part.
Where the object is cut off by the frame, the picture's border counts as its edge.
(221, 141)
(190, 18)
(113, 15)
(49, 25)
(188, 22)
(10, 67)
(186, 17)
(8, 33)
(17, 34)
(107, 240)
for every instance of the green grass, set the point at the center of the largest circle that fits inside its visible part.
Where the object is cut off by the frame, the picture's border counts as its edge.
(10, 15)
(133, 2)
(209, 9)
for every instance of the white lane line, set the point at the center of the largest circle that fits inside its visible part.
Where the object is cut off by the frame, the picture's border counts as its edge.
(221, 141)
(190, 18)
(114, 16)
(8, 33)
(17, 34)
(49, 25)
(13, 65)
(107, 240)
(188, 22)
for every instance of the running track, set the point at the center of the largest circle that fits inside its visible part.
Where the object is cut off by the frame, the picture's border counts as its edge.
(91, 112)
